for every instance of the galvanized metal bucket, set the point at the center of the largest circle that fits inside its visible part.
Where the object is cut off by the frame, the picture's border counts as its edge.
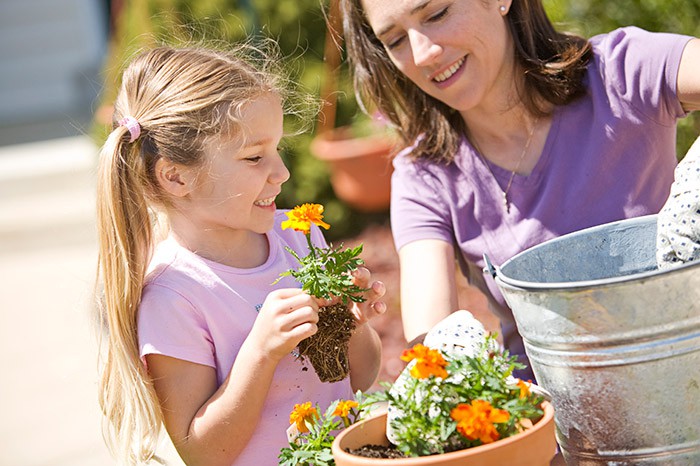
(614, 340)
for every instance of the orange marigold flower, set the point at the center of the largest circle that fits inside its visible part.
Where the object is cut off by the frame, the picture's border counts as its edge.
(524, 389)
(428, 362)
(301, 217)
(344, 407)
(476, 420)
(302, 413)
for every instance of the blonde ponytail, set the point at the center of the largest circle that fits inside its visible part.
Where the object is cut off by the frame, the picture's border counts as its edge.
(125, 241)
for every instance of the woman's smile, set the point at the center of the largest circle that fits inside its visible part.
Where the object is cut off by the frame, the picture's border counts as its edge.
(448, 76)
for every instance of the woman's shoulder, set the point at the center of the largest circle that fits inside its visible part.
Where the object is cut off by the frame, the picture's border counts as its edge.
(632, 42)
(636, 70)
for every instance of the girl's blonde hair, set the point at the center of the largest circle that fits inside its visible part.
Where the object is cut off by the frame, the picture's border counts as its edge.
(180, 98)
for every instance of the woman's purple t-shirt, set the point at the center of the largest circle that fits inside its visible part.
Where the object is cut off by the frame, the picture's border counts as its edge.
(608, 156)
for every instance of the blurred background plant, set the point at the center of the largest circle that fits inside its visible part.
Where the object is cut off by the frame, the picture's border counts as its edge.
(299, 26)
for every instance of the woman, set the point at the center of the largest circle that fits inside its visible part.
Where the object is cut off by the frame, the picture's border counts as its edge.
(516, 133)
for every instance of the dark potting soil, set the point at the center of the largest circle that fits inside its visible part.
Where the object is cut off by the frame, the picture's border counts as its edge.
(376, 451)
(327, 349)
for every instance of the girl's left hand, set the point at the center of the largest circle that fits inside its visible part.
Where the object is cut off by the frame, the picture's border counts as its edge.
(372, 306)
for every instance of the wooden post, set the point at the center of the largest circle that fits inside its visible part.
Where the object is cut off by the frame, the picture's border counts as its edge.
(331, 67)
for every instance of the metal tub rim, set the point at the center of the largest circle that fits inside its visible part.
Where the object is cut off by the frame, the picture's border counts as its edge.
(497, 271)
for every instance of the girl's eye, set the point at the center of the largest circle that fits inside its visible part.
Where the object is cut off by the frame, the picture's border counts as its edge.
(254, 158)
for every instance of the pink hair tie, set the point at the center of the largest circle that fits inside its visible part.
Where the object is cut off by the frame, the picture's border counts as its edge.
(133, 126)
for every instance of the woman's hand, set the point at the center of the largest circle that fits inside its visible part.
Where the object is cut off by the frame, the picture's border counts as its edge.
(287, 316)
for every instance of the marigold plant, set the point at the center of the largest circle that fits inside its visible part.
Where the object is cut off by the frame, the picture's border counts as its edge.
(312, 443)
(450, 402)
(442, 403)
(324, 272)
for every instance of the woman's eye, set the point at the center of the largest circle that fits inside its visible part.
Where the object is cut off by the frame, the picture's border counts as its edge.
(392, 44)
(439, 15)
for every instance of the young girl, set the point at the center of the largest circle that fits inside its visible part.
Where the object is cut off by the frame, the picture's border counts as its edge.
(198, 337)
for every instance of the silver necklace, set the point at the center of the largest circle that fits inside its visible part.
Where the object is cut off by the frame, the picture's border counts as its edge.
(506, 203)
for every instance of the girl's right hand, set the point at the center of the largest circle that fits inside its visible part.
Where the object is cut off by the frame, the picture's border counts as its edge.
(287, 316)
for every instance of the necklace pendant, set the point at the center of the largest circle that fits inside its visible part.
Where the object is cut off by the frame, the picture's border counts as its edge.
(505, 202)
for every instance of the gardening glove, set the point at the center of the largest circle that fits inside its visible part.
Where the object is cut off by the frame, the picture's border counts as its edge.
(678, 223)
(458, 333)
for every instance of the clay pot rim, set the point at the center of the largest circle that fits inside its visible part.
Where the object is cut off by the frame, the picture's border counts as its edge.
(337, 144)
(546, 418)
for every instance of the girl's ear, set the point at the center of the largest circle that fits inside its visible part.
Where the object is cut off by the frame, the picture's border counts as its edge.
(175, 179)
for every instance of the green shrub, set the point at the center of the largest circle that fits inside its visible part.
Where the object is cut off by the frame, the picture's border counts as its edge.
(300, 29)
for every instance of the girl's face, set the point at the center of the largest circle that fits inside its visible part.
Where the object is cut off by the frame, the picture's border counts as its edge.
(458, 51)
(236, 188)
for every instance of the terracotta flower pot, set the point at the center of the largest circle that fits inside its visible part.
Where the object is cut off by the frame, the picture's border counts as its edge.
(533, 447)
(360, 167)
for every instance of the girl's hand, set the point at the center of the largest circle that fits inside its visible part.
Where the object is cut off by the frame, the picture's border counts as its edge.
(287, 316)
(372, 306)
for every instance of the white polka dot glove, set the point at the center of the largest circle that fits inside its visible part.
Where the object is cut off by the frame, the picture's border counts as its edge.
(678, 223)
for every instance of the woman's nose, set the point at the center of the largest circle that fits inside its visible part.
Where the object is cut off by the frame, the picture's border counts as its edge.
(424, 50)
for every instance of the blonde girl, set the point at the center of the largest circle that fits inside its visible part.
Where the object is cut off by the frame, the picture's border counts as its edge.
(197, 339)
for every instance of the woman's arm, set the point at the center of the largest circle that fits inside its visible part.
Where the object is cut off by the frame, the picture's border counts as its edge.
(428, 285)
(689, 76)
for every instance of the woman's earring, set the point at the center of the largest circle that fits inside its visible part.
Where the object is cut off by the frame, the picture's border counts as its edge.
(502, 9)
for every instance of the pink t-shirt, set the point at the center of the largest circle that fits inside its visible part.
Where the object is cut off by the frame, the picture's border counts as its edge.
(201, 311)
(608, 156)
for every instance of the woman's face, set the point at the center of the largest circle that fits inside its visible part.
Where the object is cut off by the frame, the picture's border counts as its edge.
(458, 51)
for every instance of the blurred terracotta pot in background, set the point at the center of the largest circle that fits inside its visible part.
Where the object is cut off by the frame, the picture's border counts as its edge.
(360, 167)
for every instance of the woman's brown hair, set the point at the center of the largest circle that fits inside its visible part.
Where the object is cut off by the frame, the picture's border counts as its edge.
(553, 62)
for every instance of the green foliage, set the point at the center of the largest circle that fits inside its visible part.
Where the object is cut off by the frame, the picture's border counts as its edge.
(485, 376)
(326, 272)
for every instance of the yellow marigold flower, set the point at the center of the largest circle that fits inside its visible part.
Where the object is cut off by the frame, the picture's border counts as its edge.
(344, 407)
(302, 413)
(524, 389)
(428, 362)
(476, 420)
(301, 217)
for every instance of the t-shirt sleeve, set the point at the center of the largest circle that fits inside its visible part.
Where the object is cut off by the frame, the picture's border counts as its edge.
(642, 68)
(419, 209)
(170, 325)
